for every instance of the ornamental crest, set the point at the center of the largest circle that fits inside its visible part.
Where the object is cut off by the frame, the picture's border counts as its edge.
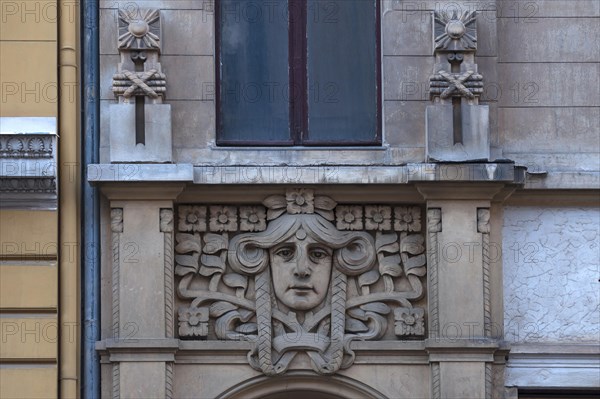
(300, 274)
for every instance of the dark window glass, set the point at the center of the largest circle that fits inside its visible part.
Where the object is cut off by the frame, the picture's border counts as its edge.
(301, 72)
(253, 102)
(342, 65)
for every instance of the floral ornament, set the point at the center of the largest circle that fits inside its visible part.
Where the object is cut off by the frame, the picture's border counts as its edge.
(409, 322)
(349, 217)
(192, 218)
(407, 218)
(300, 201)
(223, 218)
(378, 217)
(253, 218)
(193, 321)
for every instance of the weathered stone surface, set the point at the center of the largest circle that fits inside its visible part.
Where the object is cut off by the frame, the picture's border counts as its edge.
(564, 40)
(474, 144)
(546, 129)
(554, 250)
(530, 11)
(404, 123)
(549, 84)
(196, 77)
(157, 134)
(108, 33)
(187, 32)
(193, 123)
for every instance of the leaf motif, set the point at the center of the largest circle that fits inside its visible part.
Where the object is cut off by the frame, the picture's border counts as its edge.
(377, 307)
(355, 326)
(213, 261)
(390, 265)
(188, 260)
(415, 261)
(183, 270)
(325, 203)
(357, 313)
(274, 213)
(208, 271)
(245, 315)
(413, 244)
(326, 214)
(188, 243)
(214, 243)
(235, 280)
(247, 328)
(218, 309)
(387, 242)
(275, 201)
(368, 278)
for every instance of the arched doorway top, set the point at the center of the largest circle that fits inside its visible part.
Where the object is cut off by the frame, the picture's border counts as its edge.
(301, 383)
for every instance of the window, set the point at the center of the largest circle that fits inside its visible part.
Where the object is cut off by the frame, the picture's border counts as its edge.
(298, 72)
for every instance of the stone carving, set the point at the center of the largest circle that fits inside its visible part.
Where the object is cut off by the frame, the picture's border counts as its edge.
(290, 281)
(455, 33)
(434, 226)
(26, 146)
(407, 218)
(457, 126)
(139, 30)
(192, 218)
(410, 322)
(116, 227)
(445, 84)
(140, 133)
(483, 227)
(166, 227)
(27, 184)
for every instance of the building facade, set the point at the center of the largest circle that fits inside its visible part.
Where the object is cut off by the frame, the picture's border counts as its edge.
(307, 198)
(39, 203)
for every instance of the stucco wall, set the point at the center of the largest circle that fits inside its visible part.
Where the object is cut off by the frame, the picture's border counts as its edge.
(551, 271)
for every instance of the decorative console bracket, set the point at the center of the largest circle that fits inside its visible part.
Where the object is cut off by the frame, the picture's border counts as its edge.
(140, 124)
(300, 274)
(457, 126)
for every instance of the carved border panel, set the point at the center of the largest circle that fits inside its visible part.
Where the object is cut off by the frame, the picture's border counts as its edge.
(300, 273)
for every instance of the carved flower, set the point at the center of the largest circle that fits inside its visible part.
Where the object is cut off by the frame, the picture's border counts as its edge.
(349, 217)
(409, 322)
(193, 322)
(192, 218)
(378, 217)
(408, 218)
(223, 218)
(252, 218)
(300, 201)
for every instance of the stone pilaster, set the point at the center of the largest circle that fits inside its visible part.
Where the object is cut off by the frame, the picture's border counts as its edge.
(460, 345)
(142, 349)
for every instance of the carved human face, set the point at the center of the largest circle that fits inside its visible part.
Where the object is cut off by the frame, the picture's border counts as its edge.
(301, 270)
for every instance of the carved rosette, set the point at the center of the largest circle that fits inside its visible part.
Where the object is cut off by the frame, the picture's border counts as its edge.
(300, 274)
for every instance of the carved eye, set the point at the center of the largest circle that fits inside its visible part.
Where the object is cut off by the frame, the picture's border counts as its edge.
(318, 254)
(286, 253)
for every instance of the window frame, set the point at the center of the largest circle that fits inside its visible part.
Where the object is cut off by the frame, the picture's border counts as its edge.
(298, 77)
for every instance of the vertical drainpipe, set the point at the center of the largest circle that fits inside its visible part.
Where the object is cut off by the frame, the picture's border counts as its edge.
(90, 216)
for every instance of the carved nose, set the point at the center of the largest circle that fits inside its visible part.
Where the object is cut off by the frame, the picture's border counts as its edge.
(301, 270)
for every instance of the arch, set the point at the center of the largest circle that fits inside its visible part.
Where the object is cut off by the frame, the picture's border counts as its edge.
(330, 387)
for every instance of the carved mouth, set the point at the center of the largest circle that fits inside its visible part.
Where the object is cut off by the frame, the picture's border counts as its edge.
(302, 288)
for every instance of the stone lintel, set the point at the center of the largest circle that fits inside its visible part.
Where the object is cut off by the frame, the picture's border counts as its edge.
(138, 350)
(142, 191)
(363, 174)
(460, 191)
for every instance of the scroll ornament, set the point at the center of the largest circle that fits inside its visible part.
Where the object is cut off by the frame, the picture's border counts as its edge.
(299, 274)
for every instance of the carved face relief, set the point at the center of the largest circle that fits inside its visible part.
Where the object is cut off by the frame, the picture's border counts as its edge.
(300, 274)
(301, 271)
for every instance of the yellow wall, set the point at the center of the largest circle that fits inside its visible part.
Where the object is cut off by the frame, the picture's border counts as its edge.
(37, 40)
